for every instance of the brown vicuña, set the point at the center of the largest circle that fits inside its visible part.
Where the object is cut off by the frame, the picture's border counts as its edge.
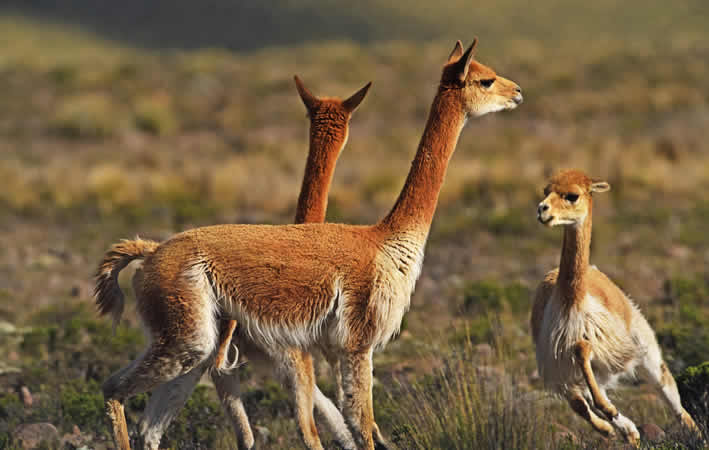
(329, 129)
(587, 332)
(340, 287)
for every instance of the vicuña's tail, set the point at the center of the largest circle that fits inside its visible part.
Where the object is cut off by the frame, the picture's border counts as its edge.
(109, 297)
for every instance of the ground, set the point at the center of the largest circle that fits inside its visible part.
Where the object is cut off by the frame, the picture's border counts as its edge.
(105, 139)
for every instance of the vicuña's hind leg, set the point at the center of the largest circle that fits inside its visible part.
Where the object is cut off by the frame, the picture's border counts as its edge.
(582, 408)
(660, 375)
(584, 354)
(297, 368)
(229, 391)
(164, 404)
(157, 365)
(168, 399)
(333, 417)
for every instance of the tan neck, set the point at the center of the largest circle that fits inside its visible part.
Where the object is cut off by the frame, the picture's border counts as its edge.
(416, 204)
(574, 261)
(324, 149)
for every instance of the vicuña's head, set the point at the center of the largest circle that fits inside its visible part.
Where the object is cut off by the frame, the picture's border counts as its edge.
(330, 115)
(479, 88)
(568, 198)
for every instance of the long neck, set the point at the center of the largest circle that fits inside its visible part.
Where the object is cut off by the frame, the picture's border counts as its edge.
(574, 261)
(417, 201)
(322, 158)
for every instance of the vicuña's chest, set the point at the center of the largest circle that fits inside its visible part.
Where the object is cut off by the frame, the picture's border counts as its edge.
(397, 267)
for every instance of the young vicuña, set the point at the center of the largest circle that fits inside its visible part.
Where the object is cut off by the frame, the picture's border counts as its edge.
(329, 129)
(344, 288)
(587, 332)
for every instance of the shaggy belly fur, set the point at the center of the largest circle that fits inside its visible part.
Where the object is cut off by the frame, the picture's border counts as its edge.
(616, 351)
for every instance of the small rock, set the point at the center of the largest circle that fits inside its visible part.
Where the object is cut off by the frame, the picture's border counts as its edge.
(7, 327)
(491, 373)
(13, 356)
(564, 435)
(483, 350)
(5, 369)
(534, 376)
(679, 252)
(75, 440)
(263, 435)
(31, 435)
(651, 432)
(26, 396)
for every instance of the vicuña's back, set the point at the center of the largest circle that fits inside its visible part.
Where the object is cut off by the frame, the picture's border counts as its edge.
(587, 332)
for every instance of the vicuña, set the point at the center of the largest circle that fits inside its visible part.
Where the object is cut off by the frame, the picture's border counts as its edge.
(587, 332)
(329, 129)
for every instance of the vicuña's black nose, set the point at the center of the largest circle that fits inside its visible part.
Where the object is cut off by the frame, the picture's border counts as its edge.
(542, 207)
(518, 89)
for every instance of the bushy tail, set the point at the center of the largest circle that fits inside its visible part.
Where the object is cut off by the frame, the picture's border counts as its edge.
(109, 297)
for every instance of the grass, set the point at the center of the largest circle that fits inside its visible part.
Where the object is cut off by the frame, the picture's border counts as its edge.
(101, 140)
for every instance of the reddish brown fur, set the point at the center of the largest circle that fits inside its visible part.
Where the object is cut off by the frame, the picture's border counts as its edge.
(109, 298)
(329, 129)
(329, 119)
(341, 286)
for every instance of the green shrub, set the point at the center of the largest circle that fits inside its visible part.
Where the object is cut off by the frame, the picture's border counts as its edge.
(693, 384)
(39, 341)
(198, 424)
(155, 115)
(86, 116)
(10, 407)
(490, 296)
(686, 333)
(271, 400)
(82, 404)
(477, 330)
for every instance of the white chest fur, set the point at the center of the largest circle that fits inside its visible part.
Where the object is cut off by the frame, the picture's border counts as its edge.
(611, 341)
(397, 267)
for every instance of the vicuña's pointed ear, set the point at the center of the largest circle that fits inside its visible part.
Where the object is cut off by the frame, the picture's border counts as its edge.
(600, 186)
(309, 99)
(456, 53)
(463, 63)
(353, 102)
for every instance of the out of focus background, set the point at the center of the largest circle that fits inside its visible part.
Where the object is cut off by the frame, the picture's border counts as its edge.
(132, 118)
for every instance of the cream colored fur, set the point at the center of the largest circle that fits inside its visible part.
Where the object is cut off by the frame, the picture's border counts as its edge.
(588, 333)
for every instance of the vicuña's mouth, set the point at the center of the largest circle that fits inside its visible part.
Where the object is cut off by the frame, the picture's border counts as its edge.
(544, 222)
(518, 99)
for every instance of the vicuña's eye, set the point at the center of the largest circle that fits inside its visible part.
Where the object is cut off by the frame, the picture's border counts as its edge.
(487, 83)
(571, 197)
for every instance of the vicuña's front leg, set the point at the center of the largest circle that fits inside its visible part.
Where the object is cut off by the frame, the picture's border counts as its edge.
(336, 367)
(582, 408)
(357, 384)
(584, 354)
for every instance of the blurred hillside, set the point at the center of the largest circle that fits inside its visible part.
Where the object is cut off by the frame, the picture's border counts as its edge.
(252, 24)
(149, 118)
